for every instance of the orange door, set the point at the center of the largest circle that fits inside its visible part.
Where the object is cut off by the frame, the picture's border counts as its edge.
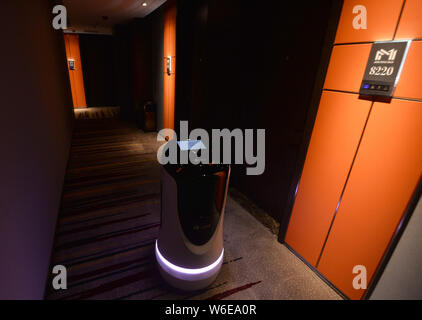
(337, 131)
(76, 75)
(387, 169)
(169, 51)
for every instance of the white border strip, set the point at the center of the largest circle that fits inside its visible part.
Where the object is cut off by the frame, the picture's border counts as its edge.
(409, 42)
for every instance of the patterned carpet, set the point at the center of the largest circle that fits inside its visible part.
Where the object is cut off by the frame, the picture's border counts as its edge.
(110, 216)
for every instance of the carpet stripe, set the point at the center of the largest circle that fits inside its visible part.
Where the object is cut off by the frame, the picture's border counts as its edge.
(108, 286)
(230, 292)
(97, 225)
(137, 266)
(94, 256)
(111, 268)
(106, 236)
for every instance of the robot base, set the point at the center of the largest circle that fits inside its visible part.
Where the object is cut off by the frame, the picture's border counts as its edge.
(188, 279)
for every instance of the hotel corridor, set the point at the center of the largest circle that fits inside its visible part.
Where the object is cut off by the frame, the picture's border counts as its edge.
(292, 168)
(110, 217)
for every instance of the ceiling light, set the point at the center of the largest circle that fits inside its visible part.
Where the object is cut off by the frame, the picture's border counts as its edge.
(144, 4)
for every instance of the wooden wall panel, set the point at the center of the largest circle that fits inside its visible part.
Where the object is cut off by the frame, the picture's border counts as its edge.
(409, 85)
(169, 50)
(338, 128)
(76, 76)
(386, 172)
(347, 66)
(382, 18)
(410, 26)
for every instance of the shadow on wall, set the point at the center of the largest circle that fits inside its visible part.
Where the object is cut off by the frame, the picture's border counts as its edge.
(36, 130)
(97, 54)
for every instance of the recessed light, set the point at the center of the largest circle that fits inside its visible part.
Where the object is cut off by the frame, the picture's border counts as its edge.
(144, 4)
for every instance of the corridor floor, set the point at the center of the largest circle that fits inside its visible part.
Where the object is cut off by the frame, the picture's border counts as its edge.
(109, 220)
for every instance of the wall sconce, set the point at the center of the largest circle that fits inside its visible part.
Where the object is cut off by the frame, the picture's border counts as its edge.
(71, 64)
(168, 65)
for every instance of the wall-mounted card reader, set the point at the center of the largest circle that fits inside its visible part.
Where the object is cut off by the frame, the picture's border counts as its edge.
(383, 69)
(71, 64)
(168, 65)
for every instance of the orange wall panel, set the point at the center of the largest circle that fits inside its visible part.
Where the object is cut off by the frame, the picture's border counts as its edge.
(76, 76)
(387, 169)
(340, 120)
(410, 26)
(169, 50)
(347, 66)
(71, 75)
(382, 18)
(388, 164)
(410, 82)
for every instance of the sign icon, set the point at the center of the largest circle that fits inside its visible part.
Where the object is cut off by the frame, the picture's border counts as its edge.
(391, 54)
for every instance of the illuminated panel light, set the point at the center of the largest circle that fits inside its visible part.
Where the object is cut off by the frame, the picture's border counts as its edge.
(404, 56)
(185, 273)
(402, 62)
(297, 187)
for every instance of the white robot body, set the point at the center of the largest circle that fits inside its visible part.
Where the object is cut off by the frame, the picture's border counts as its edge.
(189, 249)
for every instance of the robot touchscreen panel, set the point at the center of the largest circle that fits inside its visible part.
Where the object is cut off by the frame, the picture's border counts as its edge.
(191, 145)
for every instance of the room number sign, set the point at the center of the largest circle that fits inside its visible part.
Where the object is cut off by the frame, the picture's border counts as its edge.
(383, 69)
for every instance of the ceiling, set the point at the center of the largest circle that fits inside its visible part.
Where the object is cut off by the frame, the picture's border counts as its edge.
(90, 13)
